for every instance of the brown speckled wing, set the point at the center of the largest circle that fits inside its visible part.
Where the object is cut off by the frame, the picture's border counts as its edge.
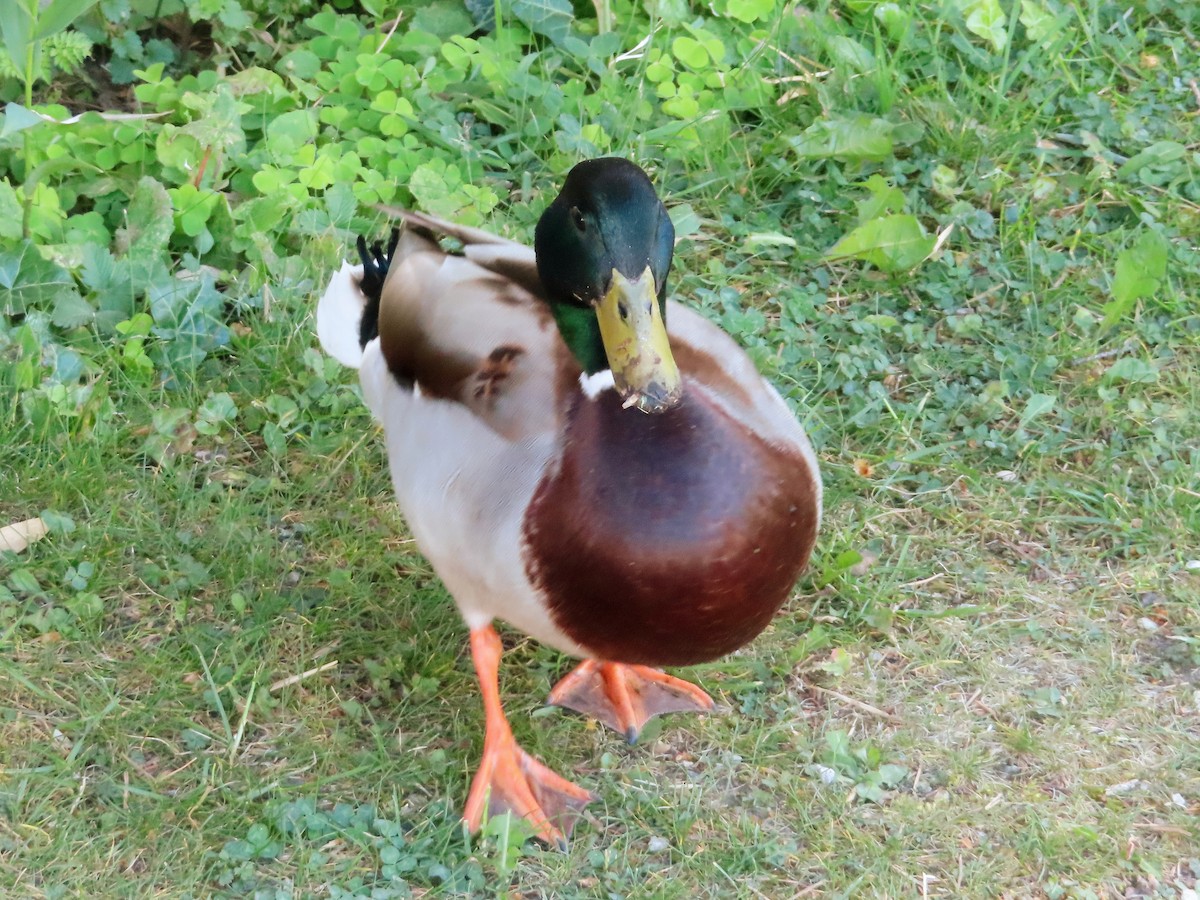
(470, 328)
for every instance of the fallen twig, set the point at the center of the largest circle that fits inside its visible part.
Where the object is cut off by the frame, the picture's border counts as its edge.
(858, 704)
(1104, 354)
(1163, 829)
(296, 679)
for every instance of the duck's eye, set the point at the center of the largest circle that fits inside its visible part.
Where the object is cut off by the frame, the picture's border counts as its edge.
(578, 220)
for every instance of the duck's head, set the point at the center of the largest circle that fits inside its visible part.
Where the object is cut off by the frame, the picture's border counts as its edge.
(603, 253)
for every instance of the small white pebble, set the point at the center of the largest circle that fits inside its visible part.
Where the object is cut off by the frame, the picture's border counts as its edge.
(659, 844)
(1124, 787)
(826, 774)
(1148, 624)
(1192, 565)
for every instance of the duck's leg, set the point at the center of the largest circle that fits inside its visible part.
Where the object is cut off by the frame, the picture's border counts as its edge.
(508, 778)
(625, 697)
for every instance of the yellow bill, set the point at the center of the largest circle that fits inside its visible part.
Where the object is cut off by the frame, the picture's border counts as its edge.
(635, 341)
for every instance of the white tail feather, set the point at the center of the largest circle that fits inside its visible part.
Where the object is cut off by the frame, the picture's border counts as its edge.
(339, 315)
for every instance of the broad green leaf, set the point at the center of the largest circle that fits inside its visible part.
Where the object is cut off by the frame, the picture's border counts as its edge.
(16, 25)
(857, 137)
(28, 282)
(844, 51)
(750, 10)
(1139, 270)
(1037, 405)
(672, 12)
(274, 438)
(837, 743)
(270, 179)
(743, 322)
(193, 207)
(1157, 154)
(255, 80)
(40, 173)
(869, 791)
(341, 205)
(108, 281)
(138, 326)
(433, 184)
(218, 408)
(551, 18)
(906, 134)
(151, 74)
(176, 149)
(713, 45)
(846, 560)
(319, 175)
(71, 310)
(265, 213)
(300, 63)
(685, 220)
(11, 211)
(189, 315)
(944, 181)
(1041, 25)
(985, 19)
(149, 221)
(24, 582)
(839, 664)
(893, 243)
(881, 321)
(58, 15)
(885, 198)
(217, 119)
(483, 13)
(444, 18)
(17, 118)
(683, 105)
(690, 52)
(290, 131)
(69, 367)
(390, 102)
(1131, 369)
(895, 19)
(282, 408)
(233, 17)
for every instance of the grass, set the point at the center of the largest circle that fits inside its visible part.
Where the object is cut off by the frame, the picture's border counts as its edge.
(228, 672)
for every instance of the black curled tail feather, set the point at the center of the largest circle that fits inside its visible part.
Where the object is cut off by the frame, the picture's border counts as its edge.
(375, 269)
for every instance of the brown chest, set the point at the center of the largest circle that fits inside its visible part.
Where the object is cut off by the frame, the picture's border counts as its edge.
(667, 539)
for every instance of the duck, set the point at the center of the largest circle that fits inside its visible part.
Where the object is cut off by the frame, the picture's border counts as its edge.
(578, 456)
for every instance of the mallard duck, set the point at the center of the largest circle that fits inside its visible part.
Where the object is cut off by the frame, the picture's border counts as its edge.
(597, 466)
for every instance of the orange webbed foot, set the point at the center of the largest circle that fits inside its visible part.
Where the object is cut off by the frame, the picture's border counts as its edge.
(625, 697)
(509, 779)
